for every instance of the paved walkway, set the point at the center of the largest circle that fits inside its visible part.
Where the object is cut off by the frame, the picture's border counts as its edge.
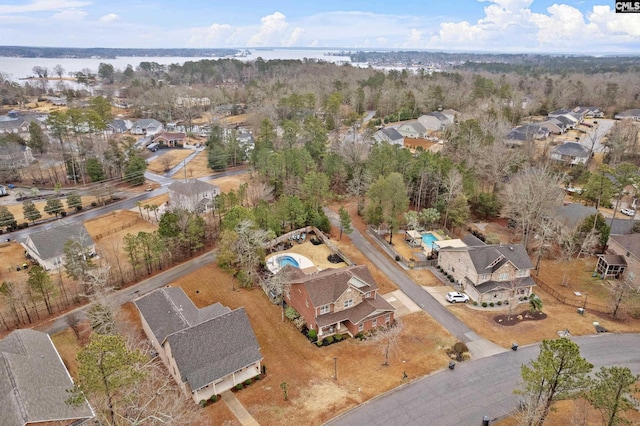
(238, 409)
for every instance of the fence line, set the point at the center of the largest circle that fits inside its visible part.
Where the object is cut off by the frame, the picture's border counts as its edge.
(319, 234)
(578, 303)
(118, 229)
(396, 254)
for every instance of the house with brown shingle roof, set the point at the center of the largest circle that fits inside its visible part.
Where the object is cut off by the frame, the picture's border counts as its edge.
(171, 139)
(343, 300)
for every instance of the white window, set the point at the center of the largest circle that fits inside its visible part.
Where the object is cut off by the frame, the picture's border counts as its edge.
(522, 273)
(387, 319)
(367, 294)
(374, 323)
(361, 326)
(348, 303)
(324, 309)
(503, 276)
(306, 302)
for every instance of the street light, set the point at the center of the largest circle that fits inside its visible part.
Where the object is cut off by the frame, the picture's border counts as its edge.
(586, 296)
(335, 368)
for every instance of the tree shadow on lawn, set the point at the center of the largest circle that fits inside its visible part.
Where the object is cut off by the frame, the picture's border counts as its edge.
(517, 318)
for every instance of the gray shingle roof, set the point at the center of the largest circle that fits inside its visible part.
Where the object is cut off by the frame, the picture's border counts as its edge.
(472, 241)
(356, 314)
(145, 123)
(573, 214)
(489, 258)
(169, 309)
(440, 116)
(326, 286)
(416, 126)
(571, 149)
(489, 286)
(50, 242)
(630, 242)
(33, 381)
(215, 348)
(192, 187)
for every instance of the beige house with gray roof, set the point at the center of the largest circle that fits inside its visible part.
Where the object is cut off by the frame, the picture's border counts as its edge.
(208, 350)
(489, 273)
(47, 246)
(193, 195)
(34, 383)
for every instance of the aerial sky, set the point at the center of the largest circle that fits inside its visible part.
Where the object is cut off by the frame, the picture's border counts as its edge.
(545, 26)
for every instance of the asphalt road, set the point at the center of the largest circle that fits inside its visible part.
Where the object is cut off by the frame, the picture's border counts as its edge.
(598, 132)
(133, 292)
(423, 299)
(483, 387)
(125, 204)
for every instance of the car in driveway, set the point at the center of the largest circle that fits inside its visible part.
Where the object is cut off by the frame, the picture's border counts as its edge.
(457, 297)
(628, 212)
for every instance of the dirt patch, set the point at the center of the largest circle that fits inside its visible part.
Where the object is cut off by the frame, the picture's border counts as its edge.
(513, 319)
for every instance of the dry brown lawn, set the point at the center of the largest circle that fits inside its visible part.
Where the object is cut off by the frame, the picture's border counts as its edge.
(313, 395)
(229, 183)
(18, 211)
(196, 168)
(168, 159)
(12, 255)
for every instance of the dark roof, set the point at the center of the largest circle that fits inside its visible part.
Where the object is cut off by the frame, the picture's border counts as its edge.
(326, 286)
(573, 214)
(169, 309)
(215, 348)
(192, 187)
(119, 124)
(148, 122)
(621, 226)
(50, 242)
(629, 113)
(440, 116)
(564, 120)
(613, 259)
(170, 136)
(12, 124)
(471, 240)
(571, 149)
(416, 126)
(34, 381)
(357, 313)
(391, 134)
(488, 286)
(630, 242)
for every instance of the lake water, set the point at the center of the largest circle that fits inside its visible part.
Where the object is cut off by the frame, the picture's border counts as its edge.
(17, 68)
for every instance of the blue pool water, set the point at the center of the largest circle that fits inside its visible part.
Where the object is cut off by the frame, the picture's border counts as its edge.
(287, 260)
(428, 238)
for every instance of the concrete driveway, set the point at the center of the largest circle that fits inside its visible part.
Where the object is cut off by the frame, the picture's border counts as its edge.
(439, 293)
(403, 304)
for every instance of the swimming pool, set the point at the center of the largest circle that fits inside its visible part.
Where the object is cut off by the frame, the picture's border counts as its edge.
(287, 260)
(428, 238)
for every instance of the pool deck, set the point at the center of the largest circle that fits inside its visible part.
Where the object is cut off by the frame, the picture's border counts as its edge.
(304, 263)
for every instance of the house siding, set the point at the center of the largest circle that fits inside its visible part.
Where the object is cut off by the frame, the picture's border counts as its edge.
(350, 293)
(633, 263)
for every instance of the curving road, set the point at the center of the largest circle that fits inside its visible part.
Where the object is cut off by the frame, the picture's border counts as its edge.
(478, 388)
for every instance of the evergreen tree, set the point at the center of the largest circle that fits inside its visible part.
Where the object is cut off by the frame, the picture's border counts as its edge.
(53, 207)
(30, 211)
(37, 138)
(74, 201)
(7, 219)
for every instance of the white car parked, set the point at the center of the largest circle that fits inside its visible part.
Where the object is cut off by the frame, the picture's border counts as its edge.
(628, 212)
(457, 297)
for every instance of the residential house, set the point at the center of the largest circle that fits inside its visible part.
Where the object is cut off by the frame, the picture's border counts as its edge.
(571, 215)
(119, 126)
(172, 139)
(15, 155)
(622, 257)
(570, 152)
(343, 300)
(526, 133)
(574, 117)
(193, 195)
(146, 126)
(589, 112)
(434, 121)
(451, 115)
(554, 126)
(630, 114)
(47, 246)
(390, 135)
(208, 350)
(14, 125)
(489, 273)
(190, 102)
(34, 383)
(412, 129)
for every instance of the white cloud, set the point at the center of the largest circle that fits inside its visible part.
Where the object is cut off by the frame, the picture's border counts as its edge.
(70, 15)
(272, 25)
(111, 17)
(41, 6)
(293, 38)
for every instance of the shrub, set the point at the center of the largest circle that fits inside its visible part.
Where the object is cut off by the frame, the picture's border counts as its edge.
(78, 208)
(475, 303)
(330, 340)
(256, 378)
(213, 398)
(264, 370)
(203, 403)
(291, 313)
(506, 302)
(247, 382)
(360, 335)
(239, 386)
(319, 343)
(313, 335)
(397, 258)
(94, 204)
(63, 213)
(484, 304)
(460, 347)
(338, 337)
(499, 303)
(491, 304)
(450, 278)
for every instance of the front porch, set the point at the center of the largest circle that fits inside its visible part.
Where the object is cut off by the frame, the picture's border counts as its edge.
(330, 330)
(226, 383)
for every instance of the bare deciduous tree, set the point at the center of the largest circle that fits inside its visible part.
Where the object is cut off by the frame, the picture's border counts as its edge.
(388, 339)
